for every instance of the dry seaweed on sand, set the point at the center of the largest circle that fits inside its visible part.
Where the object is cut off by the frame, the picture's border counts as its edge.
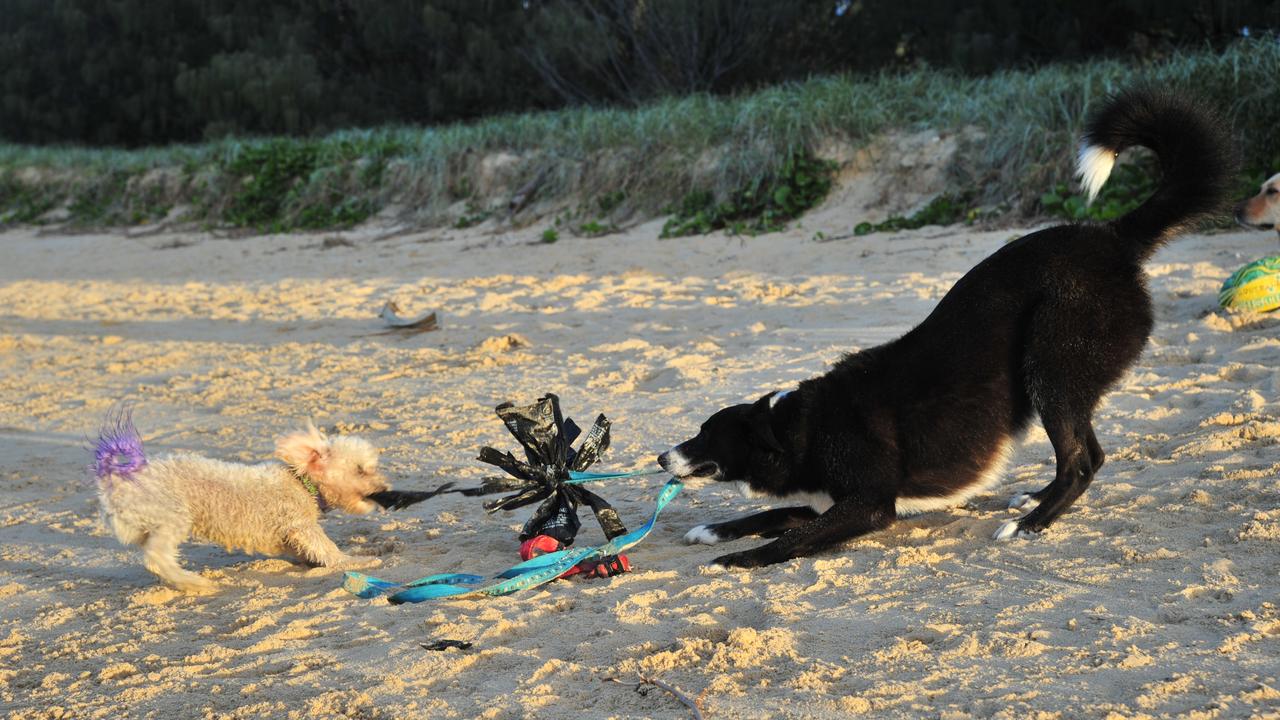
(641, 687)
(390, 314)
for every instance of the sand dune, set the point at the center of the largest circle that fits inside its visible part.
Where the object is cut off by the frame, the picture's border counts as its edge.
(1156, 595)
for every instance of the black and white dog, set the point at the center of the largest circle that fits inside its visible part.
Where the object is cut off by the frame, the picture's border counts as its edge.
(1044, 326)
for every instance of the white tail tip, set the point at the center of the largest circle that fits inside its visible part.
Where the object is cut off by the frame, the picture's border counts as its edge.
(1093, 167)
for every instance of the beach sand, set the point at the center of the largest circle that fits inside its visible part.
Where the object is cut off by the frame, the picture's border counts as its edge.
(1155, 595)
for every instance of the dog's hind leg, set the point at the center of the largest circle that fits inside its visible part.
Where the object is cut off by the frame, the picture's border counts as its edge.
(160, 556)
(311, 545)
(769, 523)
(1096, 458)
(1079, 345)
(1079, 457)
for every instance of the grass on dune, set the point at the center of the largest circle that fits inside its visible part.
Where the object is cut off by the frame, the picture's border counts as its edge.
(654, 157)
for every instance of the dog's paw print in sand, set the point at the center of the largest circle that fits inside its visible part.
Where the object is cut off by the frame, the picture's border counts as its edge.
(377, 546)
(359, 562)
(1264, 525)
(156, 595)
(638, 365)
(668, 378)
(1181, 355)
(501, 350)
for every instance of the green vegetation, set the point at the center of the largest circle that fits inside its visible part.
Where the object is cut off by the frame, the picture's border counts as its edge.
(1127, 187)
(610, 201)
(595, 228)
(1129, 184)
(946, 209)
(24, 203)
(763, 206)
(745, 163)
(474, 216)
(266, 175)
(550, 235)
(283, 185)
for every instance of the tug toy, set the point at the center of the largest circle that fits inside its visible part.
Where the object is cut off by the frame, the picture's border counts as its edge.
(1255, 286)
(548, 476)
(553, 476)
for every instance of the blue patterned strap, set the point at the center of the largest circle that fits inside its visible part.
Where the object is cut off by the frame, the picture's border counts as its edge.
(515, 578)
(544, 568)
(530, 573)
(367, 586)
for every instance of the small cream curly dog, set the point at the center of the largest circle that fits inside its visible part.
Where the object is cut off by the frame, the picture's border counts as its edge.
(270, 508)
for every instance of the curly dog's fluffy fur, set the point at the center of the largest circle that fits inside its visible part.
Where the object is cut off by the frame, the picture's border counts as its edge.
(265, 508)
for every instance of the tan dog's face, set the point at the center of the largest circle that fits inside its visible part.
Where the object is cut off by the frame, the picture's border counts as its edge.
(1262, 211)
(345, 469)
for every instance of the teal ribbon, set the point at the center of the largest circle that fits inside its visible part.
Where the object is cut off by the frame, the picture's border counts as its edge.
(528, 574)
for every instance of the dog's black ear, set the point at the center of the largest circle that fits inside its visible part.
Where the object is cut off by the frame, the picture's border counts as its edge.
(761, 425)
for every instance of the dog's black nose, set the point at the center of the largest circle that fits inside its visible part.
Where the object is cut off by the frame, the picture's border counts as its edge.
(1239, 215)
(662, 461)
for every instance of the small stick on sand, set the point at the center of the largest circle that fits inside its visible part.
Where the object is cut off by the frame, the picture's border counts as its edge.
(832, 238)
(675, 691)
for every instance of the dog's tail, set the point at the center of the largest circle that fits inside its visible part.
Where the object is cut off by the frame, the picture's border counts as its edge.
(118, 450)
(1195, 156)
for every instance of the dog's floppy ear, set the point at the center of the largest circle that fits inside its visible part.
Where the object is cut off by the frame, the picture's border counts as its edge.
(306, 451)
(761, 426)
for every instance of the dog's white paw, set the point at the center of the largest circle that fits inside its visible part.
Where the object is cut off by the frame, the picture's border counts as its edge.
(1007, 530)
(1020, 500)
(1011, 530)
(701, 535)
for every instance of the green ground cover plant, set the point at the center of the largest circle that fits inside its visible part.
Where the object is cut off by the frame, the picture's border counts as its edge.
(747, 163)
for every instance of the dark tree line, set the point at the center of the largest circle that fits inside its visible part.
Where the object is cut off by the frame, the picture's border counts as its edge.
(132, 72)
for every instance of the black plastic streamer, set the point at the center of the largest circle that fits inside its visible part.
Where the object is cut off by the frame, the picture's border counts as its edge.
(547, 437)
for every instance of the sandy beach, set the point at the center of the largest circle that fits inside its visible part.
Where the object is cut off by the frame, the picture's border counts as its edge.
(1155, 596)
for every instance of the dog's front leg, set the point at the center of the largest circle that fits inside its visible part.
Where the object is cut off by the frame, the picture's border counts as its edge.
(313, 546)
(845, 520)
(769, 523)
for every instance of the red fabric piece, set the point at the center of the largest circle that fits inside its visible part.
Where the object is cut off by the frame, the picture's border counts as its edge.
(539, 545)
(543, 544)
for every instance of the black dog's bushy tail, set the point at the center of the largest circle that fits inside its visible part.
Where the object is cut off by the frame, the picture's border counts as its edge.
(1191, 143)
